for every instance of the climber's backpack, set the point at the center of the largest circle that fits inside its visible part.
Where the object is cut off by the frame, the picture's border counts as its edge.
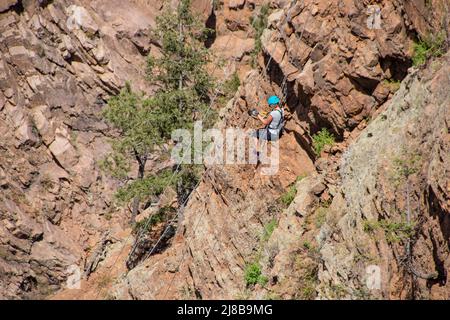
(279, 127)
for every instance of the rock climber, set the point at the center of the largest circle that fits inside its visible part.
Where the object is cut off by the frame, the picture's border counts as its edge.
(273, 122)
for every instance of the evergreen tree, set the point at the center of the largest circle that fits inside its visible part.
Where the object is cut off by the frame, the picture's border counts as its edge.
(145, 124)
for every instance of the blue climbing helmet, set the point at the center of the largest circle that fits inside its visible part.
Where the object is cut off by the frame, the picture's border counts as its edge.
(273, 100)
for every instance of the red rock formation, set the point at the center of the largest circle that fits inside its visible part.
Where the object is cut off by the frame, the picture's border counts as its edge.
(59, 62)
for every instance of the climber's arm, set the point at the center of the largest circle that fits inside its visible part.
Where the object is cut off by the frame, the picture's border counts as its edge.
(266, 120)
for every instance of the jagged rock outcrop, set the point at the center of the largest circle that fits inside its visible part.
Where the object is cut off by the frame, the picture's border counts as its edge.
(334, 247)
(332, 240)
(413, 134)
(334, 64)
(59, 62)
(427, 18)
(234, 39)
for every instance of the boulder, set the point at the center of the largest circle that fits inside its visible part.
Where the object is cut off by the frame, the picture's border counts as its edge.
(6, 4)
(299, 52)
(100, 54)
(233, 47)
(27, 134)
(23, 226)
(18, 51)
(80, 18)
(305, 199)
(306, 78)
(63, 151)
(43, 123)
(235, 4)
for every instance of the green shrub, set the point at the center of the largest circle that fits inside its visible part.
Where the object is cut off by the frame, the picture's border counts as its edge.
(394, 231)
(322, 139)
(231, 85)
(268, 229)
(307, 245)
(312, 250)
(146, 224)
(309, 280)
(397, 231)
(370, 226)
(407, 165)
(320, 218)
(420, 53)
(253, 275)
(392, 84)
(142, 188)
(403, 166)
(289, 196)
(308, 292)
(426, 47)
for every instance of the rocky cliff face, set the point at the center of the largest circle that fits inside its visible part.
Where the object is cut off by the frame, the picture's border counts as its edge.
(376, 200)
(394, 177)
(59, 62)
(347, 218)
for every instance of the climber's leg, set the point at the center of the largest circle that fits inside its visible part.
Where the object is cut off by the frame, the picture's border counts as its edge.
(260, 138)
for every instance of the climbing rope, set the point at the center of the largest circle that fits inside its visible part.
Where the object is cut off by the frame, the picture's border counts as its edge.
(288, 19)
(407, 260)
(284, 83)
(183, 205)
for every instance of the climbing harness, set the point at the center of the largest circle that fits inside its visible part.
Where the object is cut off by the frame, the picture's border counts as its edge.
(279, 127)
